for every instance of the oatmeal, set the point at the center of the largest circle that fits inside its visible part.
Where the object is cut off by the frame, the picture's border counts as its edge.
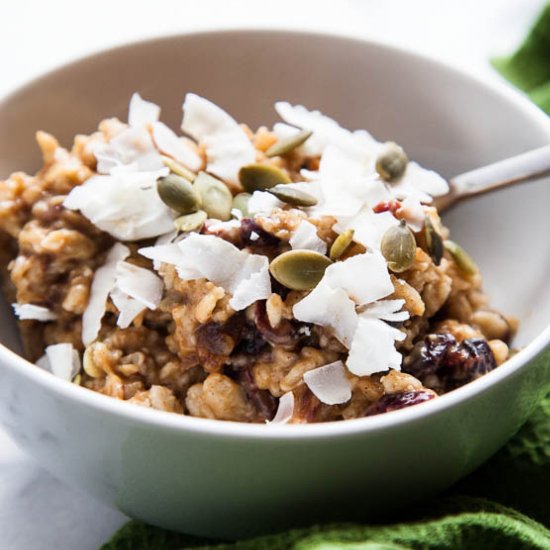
(289, 275)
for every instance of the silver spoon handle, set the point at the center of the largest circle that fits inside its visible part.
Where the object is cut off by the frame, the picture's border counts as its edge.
(525, 167)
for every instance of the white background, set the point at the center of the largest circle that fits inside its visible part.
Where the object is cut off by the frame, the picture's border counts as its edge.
(37, 511)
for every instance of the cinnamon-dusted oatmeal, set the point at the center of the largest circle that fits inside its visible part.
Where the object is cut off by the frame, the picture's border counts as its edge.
(295, 274)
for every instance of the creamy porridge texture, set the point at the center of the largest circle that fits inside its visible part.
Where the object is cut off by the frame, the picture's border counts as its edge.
(290, 275)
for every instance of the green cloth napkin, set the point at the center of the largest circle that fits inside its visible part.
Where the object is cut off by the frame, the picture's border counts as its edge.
(529, 67)
(505, 504)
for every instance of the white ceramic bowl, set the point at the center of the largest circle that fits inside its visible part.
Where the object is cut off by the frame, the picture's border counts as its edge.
(224, 479)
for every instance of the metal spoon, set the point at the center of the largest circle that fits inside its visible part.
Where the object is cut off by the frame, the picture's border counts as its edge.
(522, 168)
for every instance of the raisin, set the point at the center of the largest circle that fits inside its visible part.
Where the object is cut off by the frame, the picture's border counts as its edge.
(427, 356)
(237, 335)
(467, 361)
(287, 333)
(262, 400)
(258, 239)
(214, 338)
(454, 364)
(396, 401)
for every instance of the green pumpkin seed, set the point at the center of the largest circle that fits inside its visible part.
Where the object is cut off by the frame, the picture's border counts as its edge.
(391, 162)
(462, 259)
(299, 269)
(434, 241)
(340, 245)
(398, 246)
(178, 169)
(216, 199)
(177, 193)
(191, 222)
(284, 146)
(240, 202)
(259, 177)
(295, 197)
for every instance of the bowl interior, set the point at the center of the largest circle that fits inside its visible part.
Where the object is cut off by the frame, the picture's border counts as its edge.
(444, 119)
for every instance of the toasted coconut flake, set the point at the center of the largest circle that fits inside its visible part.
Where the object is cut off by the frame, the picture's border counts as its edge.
(305, 237)
(285, 410)
(124, 204)
(263, 203)
(329, 307)
(217, 225)
(162, 253)
(329, 383)
(369, 228)
(386, 310)
(128, 307)
(364, 277)
(285, 131)
(43, 363)
(253, 282)
(347, 183)
(373, 348)
(244, 275)
(359, 280)
(413, 213)
(326, 131)
(132, 149)
(170, 144)
(420, 183)
(227, 145)
(167, 238)
(139, 283)
(36, 313)
(62, 360)
(141, 112)
(103, 283)
(360, 145)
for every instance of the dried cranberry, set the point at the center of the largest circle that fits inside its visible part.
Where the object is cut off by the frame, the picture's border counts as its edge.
(258, 239)
(387, 206)
(454, 364)
(428, 355)
(396, 401)
(467, 361)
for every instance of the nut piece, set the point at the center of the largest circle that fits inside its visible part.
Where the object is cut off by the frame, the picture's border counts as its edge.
(284, 146)
(190, 222)
(434, 241)
(340, 245)
(294, 197)
(299, 269)
(177, 193)
(216, 199)
(399, 247)
(391, 162)
(259, 177)
(462, 259)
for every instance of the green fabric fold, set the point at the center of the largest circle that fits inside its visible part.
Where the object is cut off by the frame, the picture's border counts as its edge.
(505, 504)
(529, 67)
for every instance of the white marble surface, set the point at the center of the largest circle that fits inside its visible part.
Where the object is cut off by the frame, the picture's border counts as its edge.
(37, 511)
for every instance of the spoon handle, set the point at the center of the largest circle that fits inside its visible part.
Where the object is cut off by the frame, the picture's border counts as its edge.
(528, 166)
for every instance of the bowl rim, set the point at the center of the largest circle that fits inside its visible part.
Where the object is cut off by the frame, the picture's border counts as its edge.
(183, 423)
